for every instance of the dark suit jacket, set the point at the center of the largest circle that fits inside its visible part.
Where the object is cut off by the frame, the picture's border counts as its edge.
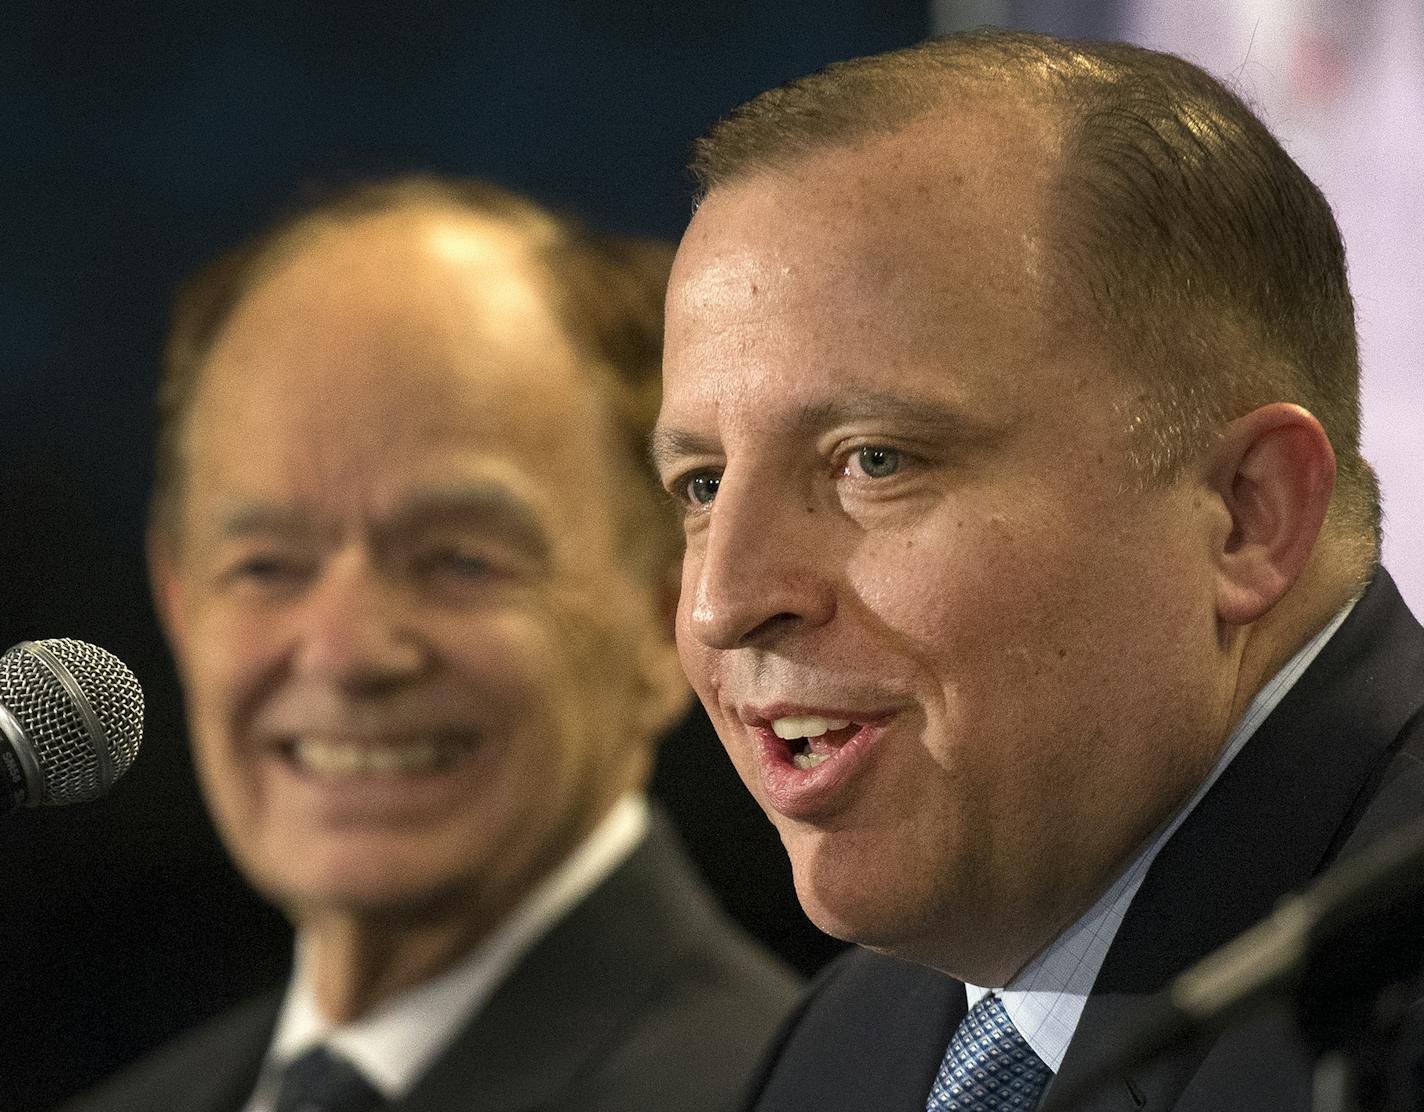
(644, 997)
(1339, 762)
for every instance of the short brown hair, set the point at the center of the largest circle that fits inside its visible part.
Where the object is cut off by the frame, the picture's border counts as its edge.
(606, 290)
(1210, 263)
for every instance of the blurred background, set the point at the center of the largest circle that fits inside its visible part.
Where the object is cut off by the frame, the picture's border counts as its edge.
(141, 138)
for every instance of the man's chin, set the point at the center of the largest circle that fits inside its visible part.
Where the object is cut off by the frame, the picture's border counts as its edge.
(875, 909)
(853, 916)
(395, 897)
(966, 948)
(901, 938)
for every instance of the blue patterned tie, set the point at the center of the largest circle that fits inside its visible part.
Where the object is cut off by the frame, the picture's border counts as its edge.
(988, 1066)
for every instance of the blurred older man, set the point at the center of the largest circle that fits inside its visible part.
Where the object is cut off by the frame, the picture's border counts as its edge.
(415, 575)
(1011, 395)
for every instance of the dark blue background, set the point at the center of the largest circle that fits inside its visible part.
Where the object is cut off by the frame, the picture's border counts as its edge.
(138, 140)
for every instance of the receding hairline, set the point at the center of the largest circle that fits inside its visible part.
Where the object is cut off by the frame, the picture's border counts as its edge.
(602, 293)
(425, 230)
(1204, 255)
(861, 99)
(343, 256)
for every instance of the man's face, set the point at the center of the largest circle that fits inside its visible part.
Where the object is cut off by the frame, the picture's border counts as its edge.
(910, 529)
(414, 661)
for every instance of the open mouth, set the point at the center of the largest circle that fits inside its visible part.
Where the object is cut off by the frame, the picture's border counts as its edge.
(811, 740)
(332, 757)
(809, 762)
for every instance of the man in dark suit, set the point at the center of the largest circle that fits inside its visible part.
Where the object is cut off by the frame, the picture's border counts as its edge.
(417, 578)
(1011, 395)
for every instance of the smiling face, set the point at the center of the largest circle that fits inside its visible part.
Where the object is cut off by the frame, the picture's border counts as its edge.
(417, 669)
(908, 524)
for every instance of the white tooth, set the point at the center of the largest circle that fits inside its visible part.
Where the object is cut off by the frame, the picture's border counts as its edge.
(809, 760)
(412, 757)
(338, 758)
(335, 759)
(379, 759)
(314, 756)
(810, 725)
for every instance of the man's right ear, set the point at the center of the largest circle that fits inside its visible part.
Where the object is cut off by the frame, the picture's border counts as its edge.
(1273, 470)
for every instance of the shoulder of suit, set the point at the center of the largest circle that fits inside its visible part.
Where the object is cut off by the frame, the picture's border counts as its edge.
(150, 1084)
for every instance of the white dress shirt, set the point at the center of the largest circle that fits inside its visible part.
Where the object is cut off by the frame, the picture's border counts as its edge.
(393, 1045)
(1045, 999)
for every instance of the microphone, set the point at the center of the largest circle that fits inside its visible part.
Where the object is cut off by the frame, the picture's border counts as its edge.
(1333, 951)
(1357, 930)
(71, 718)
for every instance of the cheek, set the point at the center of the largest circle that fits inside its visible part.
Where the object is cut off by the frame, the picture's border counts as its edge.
(219, 668)
(1029, 578)
(504, 662)
(1016, 623)
(228, 661)
(595, 631)
(226, 658)
(958, 592)
(565, 678)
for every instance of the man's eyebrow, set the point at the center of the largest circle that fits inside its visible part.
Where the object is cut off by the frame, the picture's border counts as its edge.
(490, 506)
(667, 444)
(249, 519)
(922, 415)
(486, 505)
(919, 415)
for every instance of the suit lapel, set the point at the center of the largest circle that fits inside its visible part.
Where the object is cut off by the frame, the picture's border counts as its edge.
(570, 996)
(870, 1036)
(1276, 817)
(229, 1059)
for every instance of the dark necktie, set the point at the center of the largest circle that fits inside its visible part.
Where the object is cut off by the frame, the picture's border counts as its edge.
(988, 1066)
(320, 1081)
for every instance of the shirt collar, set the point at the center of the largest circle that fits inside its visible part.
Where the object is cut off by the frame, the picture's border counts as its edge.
(1045, 1000)
(393, 1044)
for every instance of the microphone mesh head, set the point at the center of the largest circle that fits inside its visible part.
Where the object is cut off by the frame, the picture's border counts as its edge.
(54, 719)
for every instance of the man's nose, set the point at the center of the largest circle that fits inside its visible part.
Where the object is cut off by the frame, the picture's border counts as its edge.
(763, 569)
(359, 631)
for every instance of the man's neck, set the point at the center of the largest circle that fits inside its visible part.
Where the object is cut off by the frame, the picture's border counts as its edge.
(1320, 593)
(354, 961)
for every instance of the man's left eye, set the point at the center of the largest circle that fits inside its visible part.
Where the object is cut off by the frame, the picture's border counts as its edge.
(876, 461)
(470, 565)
